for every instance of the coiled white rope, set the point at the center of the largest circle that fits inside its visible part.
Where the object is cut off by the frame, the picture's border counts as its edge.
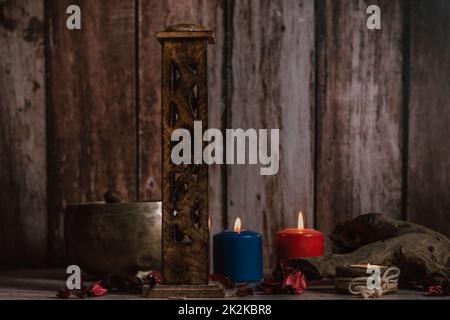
(358, 286)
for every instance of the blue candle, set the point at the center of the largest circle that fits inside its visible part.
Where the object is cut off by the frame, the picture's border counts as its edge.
(238, 255)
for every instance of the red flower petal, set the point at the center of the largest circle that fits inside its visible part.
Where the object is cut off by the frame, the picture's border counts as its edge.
(284, 280)
(434, 291)
(97, 290)
(294, 282)
(153, 278)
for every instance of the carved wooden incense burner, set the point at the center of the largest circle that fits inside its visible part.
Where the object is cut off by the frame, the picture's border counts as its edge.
(185, 228)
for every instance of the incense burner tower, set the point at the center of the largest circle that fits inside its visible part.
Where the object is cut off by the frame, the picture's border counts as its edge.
(185, 220)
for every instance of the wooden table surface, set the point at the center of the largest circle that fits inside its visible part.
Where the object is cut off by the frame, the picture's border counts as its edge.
(44, 283)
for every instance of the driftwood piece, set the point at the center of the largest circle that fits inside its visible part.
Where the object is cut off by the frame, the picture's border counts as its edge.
(368, 228)
(416, 250)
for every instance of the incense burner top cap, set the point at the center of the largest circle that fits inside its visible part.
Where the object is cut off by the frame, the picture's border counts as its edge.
(186, 27)
(184, 30)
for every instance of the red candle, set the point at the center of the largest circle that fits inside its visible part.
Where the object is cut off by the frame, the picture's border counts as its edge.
(299, 242)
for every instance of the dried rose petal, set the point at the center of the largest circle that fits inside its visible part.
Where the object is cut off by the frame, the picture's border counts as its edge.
(153, 278)
(224, 280)
(294, 283)
(270, 286)
(64, 293)
(244, 291)
(284, 279)
(80, 293)
(97, 290)
(434, 291)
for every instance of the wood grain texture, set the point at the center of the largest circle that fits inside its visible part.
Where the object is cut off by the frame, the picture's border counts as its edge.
(359, 113)
(43, 283)
(185, 229)
(91, 116)
(272, 88)
(156, 15)
(429, 115)
(23, 216)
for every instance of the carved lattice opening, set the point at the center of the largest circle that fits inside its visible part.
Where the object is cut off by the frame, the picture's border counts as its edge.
(194, 173)
(173, 114)
(178, 186)
(192, 67)
(194, 101)
(195, 215)
(179, 236)
(175, 77)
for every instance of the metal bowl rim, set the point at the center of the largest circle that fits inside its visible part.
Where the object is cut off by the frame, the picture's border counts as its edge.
(99, 203)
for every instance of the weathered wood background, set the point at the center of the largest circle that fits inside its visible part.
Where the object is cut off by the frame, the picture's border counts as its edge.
(364, 114)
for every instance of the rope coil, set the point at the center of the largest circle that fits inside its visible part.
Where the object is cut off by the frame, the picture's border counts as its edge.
(358, 286)
(388, 282)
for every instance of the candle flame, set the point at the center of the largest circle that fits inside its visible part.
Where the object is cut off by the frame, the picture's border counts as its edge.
(209, 222)
(237, 225)
(300, 221)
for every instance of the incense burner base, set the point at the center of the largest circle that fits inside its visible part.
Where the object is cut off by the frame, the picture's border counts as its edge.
(184, 291)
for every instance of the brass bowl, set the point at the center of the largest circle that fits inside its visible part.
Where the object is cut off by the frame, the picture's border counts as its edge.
(123, 238)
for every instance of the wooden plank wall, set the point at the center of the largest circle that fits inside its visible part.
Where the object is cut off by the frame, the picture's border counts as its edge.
(359, 112)
(23, 195)
(91, 114)
(428, 196)
(363, 113)
(272, 87)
